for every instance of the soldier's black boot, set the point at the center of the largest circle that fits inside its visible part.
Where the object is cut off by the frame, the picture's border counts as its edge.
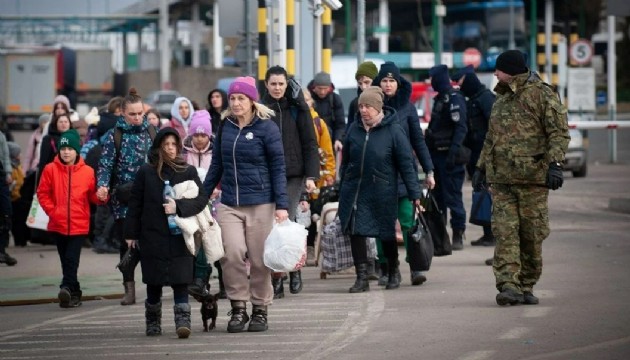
(393, 277)
(295, 282)
(361, 284)
(458, 239)
(238, 318)
(278, 287)
(529, 298)
(484, 241)
(153, 318)
(509, 296)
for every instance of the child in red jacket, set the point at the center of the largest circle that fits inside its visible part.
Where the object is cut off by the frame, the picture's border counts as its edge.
(65, 191)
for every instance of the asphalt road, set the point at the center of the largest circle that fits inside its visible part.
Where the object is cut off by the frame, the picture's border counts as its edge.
(583, 311)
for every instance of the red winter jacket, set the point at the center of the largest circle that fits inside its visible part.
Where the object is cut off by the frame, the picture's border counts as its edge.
(64, 193)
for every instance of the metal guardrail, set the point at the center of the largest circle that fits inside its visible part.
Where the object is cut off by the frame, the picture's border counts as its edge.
(611, 126)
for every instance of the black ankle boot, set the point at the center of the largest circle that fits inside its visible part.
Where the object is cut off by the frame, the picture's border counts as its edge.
(458, 239)
(361, 284)
(75, 298)
(278, 287)
(295, 282)
(382, 279)
(393, 277)
(238, 318)
(259, 319)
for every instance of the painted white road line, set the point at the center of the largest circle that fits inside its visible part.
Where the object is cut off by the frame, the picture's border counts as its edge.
(536, 311)
(514, 333)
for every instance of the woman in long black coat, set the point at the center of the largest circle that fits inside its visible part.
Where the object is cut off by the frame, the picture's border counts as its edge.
(375, 151)
(164, 257)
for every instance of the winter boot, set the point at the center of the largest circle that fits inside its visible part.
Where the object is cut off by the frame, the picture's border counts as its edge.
(182, 320)
(371, 270)
(393, 277)
(75, 298)
(7, 259)
(259, 319)
(130, 293)
(382, 280)
(489, 261)
(310, 256)
(418, 278)
(64, 297)
(153, 318)
(361, 284)
(458, 239)
(200, 288)
(295, 282)
(278, 287)
(238, 318)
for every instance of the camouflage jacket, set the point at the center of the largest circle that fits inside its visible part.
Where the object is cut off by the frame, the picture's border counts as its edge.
(528, 130)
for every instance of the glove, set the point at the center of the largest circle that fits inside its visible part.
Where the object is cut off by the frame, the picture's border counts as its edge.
(295, 95)
(170, 207)
(479, 179)
(554, 176)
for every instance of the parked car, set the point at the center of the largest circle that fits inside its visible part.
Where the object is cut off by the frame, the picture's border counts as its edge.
(162, 101)
(575, 159)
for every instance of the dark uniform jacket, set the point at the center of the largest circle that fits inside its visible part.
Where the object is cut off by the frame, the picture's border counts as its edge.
(371, 162)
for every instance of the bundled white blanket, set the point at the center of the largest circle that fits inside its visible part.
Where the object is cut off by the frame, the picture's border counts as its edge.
(201, 229)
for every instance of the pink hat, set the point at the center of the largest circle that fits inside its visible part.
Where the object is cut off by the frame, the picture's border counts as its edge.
(62, 99)
(200, 123)
(245, 85)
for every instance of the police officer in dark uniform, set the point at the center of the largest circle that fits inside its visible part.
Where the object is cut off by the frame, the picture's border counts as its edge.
(445, 139)
(478, 108)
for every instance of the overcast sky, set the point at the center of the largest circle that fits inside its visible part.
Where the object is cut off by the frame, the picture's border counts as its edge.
(60, 7)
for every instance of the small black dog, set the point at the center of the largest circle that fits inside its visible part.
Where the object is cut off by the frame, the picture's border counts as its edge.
(209, 310)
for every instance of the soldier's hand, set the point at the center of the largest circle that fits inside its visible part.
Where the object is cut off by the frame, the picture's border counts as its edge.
(479, 179)
(555, 178)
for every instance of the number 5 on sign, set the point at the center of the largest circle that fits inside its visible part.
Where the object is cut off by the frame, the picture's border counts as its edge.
(581, 52)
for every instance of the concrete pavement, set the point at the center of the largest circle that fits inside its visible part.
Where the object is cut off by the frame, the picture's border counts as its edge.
(583, 312)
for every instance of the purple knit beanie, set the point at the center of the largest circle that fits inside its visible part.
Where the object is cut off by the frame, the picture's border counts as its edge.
(200, 123)
(245, 85)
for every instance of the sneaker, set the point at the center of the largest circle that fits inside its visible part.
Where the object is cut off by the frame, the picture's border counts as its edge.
(7, 259)
(64, 297)
(509, 297)
(418, 278)
(238, 320)
(529, 298)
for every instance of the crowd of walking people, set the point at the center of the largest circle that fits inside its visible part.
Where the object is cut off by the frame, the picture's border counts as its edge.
(261, 157)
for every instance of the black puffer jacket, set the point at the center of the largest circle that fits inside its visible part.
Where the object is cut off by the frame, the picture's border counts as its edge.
(298, 138)
(371, 162)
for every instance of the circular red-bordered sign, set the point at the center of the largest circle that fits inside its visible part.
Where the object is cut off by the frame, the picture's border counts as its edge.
(581, 51)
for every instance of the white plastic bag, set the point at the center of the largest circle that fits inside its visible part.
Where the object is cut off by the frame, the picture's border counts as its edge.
(285, 247)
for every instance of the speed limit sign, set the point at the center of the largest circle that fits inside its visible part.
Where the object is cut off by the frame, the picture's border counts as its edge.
(581, 51)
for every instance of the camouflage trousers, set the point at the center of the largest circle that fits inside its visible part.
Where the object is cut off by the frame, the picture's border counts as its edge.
(520, 223)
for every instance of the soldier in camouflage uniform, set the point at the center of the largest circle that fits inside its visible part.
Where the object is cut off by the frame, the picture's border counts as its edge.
(521, 160)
